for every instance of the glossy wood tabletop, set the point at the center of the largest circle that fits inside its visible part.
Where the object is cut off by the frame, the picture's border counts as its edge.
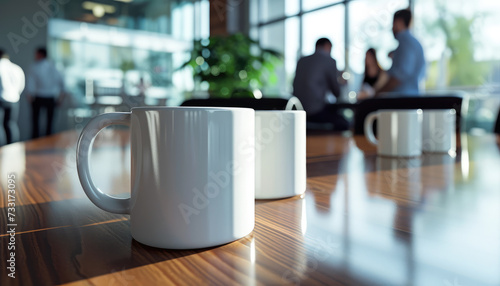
(364, 220)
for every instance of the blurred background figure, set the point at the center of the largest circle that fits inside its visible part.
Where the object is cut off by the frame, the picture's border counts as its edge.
(11, 87)
(142, 86)
(45, 90)
(375, 77)
(316, 76)
(408, 62)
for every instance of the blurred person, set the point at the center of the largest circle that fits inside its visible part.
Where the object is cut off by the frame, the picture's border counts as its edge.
(45, 87)
(408, 62)
(143, 87)
(375, 77)
(317, 75)
(11, 87)
(135, 100)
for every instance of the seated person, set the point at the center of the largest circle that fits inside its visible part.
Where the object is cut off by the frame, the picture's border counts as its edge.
(375, 77)
(317, 75)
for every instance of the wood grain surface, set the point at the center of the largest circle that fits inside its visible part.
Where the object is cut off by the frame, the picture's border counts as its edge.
(364, 220)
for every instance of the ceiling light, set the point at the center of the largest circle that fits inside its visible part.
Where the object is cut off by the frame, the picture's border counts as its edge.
(98, 9)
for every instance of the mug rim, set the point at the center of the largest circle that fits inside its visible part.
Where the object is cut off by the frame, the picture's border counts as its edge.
(280, 111)
(193, 108)
(417, 110)
(443, 110)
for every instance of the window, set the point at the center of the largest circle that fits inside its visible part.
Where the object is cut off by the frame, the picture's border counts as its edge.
(293, 30)
(274, 9)
(282, 37)
(370, 26)
(461, 48)
(329, 23)
(458, 37)
(314, 4)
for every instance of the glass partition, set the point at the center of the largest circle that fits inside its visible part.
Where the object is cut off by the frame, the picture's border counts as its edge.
(132, 47)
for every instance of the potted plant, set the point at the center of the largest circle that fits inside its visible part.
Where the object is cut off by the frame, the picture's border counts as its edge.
(233, 66)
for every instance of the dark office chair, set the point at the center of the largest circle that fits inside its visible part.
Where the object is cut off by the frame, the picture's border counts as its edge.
(256, 104)
(497, 124)
(368, 106)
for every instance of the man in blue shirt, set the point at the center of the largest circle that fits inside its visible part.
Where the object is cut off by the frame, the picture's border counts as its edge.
(408, 63)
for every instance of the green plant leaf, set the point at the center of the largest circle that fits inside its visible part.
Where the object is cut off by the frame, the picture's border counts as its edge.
(230, 55)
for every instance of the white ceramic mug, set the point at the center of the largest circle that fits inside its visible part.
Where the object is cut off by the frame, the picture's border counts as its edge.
(193, 174)
(399, 132)
(280, 151)
(439, 132)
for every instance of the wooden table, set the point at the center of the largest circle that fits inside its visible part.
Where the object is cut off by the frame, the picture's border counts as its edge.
(364, 220)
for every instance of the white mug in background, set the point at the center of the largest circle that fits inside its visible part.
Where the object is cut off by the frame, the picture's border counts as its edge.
(192, 175)
(399, 132)
(439, 131)
(280, 151)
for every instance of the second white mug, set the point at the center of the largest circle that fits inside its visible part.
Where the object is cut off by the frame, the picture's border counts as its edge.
(399, 132)
(439, 131)
(280, 153)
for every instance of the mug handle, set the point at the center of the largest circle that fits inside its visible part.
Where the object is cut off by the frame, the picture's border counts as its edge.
(369, 128)
(95, 125)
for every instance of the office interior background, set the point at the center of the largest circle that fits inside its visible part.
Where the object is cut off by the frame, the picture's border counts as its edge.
(104, 47)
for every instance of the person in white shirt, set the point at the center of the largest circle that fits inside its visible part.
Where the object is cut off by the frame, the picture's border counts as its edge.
(11, 87)
(45, 87)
